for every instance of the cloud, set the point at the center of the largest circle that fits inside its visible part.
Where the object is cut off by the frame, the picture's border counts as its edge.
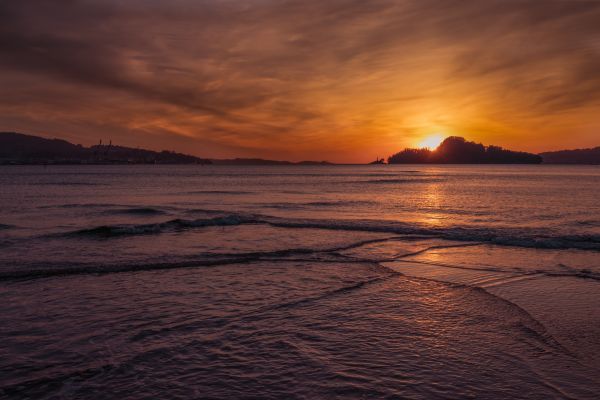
(300, 77)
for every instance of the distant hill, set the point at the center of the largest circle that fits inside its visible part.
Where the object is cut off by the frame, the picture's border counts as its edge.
(457, 150)
(579, 156)
(17, 148)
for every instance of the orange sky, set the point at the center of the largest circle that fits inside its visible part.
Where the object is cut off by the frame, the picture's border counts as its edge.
(341, 80)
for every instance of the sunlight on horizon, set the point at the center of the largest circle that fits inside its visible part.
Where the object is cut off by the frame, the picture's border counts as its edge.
(432, 141)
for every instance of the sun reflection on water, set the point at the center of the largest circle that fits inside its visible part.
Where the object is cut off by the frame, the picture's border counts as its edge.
(432, 202)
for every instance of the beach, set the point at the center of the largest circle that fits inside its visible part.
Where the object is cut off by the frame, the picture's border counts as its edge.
(380, 281)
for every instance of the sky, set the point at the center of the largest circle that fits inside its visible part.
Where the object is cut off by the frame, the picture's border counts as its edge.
(337, 80)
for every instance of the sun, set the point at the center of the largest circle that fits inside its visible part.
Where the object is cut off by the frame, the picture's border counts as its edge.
(432, 141)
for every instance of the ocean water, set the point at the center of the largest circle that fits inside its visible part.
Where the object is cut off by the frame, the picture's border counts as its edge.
(417, 282)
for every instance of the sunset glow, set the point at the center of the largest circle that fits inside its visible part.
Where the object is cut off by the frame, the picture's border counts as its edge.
(297, 80)
(432, 141)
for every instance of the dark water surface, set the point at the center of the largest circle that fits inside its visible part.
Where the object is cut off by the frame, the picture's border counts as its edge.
(416, 282)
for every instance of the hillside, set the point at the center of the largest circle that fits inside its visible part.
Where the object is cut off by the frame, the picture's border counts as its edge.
(579, 156)
(18, 148)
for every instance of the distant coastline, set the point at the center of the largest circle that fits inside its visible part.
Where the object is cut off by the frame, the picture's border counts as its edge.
(23, 149)
(578, 156)
(18, 148)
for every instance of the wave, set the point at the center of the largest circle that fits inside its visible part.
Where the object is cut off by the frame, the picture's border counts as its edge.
(82, 205)
(331, 293)
(319, 175)
(60, 183)
(46, 269)
(210, 259)
(138, 211)
(340, 203)
(588, 222)
(110, 208)
(205, 211)
(507, 237)
(583, 273)
(227, 192)
(517, 237)
(319, 204)
(106, 231)
(528, 324)
(400, 180)
(49, 270)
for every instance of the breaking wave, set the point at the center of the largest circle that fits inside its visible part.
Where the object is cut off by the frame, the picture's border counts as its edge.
(517, 237)
(508, 237)
(106, 231)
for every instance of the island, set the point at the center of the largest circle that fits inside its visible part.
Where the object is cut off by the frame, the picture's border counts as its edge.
(457, 150)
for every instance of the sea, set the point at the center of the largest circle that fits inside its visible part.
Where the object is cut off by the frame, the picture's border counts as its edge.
(300, 282)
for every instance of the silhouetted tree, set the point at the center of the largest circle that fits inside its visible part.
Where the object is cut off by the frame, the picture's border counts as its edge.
(410, 156)
(456, 150)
